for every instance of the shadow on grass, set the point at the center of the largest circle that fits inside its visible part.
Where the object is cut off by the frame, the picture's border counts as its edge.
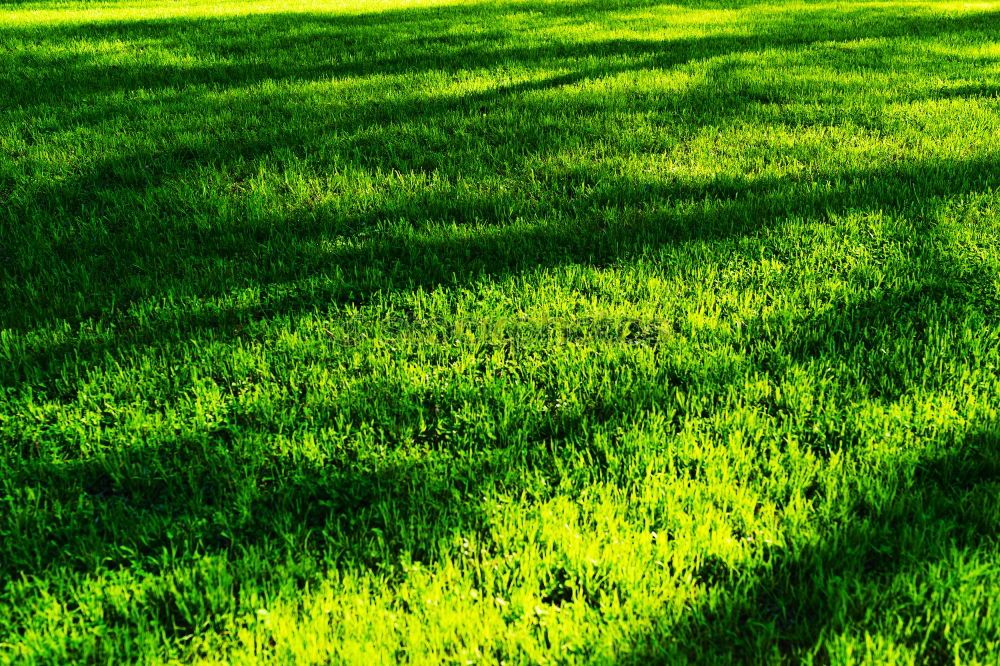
(198, 496)
(214, 493)
(413, 260)
(225, 53)
(970, 92)
(126, 230)
(233, 488)
(941, 516)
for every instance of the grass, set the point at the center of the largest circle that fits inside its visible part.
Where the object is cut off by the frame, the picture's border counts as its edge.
(594, 331)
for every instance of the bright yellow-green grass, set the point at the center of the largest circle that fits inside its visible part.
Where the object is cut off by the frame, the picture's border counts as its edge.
(530, 331)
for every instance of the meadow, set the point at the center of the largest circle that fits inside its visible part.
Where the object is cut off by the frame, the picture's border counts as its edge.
(508, 332)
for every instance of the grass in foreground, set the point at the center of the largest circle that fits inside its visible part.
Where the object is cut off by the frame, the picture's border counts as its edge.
(562, 332)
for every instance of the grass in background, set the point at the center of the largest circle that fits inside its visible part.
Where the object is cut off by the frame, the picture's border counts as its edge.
(514, 332)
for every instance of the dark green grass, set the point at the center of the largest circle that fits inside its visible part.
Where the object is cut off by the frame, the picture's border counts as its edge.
(521, 332)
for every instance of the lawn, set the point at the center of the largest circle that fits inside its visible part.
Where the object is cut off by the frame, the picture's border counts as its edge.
(528, 331)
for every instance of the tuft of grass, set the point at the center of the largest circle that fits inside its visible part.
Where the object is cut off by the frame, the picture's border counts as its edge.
(602, 331)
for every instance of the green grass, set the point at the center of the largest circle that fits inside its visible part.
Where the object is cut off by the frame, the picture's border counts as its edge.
(499, 333)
